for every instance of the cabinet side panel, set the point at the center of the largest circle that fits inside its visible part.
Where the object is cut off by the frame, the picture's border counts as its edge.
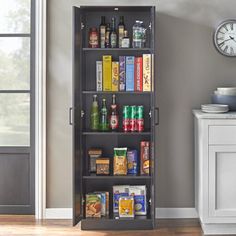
(77, 160)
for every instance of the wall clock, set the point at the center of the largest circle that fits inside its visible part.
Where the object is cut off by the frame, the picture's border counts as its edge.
(225, 38)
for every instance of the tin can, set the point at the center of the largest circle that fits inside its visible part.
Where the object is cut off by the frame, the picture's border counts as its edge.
(140, 119)
(133, 114)
(126, 118)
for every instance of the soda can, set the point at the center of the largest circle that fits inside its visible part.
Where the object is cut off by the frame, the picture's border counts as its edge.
(140, 119)
(126, 118)
(133, 114)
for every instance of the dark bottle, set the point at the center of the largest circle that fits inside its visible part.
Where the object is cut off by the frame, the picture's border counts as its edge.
(94, 115)
(113, 35)
(107, 36)
(121, 29)
(114, 117)
(104, 126)
(102, 32)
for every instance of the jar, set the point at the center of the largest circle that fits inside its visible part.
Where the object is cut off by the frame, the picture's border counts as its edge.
(93, 37)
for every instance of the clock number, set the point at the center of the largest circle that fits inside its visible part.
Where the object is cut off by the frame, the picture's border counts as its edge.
(225, 49)
(231, 51)
(225, 27)
(232, 26)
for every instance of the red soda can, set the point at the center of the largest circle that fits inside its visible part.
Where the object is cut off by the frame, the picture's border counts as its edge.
(133, 120)
(126, 118)
(140, 119)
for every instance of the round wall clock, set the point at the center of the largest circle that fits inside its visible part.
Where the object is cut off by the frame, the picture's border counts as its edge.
(225, 38)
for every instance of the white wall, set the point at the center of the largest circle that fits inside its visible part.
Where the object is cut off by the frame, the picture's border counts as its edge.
(189, 69)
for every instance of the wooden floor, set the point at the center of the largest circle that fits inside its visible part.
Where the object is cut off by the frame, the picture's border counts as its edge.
(27, 225)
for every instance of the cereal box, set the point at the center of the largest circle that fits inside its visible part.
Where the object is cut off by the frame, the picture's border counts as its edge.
(126, 207)
(147, 72)
(99, 75)
(122, 75)
(119, 191)
(93, 205)
(106, 65)
(115, 76)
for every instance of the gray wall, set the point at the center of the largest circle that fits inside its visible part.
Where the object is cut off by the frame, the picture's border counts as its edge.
(189, 69)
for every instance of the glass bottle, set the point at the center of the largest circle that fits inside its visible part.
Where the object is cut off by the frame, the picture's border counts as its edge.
(107, 36)
(114, 118)
(121, 29)
(125, 41)
(104, 126)
(94, 115)
(93, 38)
(137, 35)
(113, 35)
(102, 32)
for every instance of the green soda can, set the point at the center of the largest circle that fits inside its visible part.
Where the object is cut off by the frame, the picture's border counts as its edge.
(133, 120)
(140, 119)
(126, 118)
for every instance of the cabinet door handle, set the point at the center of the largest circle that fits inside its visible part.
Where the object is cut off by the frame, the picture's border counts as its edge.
(70, 116)
(156, 115)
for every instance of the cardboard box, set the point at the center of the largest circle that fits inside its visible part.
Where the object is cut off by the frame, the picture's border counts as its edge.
(138, 74)
(106, 69)
(147, 72)
(115, 76)
(99, 75)
(129, 73)
(122, 73)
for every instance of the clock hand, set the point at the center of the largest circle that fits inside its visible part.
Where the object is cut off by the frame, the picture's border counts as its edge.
(224, 41)
(232, 38)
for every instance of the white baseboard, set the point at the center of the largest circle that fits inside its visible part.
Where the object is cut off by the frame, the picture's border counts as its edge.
(161, 213)
(219, 229)
(58, 213)
(175, 213)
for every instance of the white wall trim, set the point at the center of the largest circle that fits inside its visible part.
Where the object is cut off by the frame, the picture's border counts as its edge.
(175, 213)
(40, 108)
(161, 213)
(58, 213)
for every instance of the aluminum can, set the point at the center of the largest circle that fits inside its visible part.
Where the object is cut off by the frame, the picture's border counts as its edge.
(126, 118)
(133, 119)
(140, 119)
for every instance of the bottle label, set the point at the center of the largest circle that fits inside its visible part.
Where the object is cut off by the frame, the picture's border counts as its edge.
(113, 40)
(93, 39)
(102, 37)
(121, 35)
(114, 122)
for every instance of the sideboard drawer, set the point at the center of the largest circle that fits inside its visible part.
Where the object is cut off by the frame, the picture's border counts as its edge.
(222, 134)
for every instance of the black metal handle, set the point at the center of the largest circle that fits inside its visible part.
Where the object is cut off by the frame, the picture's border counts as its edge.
(156, 116)
(70, 116)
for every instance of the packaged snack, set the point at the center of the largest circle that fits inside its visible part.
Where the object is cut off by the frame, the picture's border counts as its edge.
(107, 203)
(93, 153)
(126, 207)
(144, 158)
(103, 166)
(93, 205)
(132, 159)
(120, 161)
(140, 199)
(119, 191)
(103, 203)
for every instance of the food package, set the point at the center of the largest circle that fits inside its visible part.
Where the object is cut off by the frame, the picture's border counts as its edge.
(115, 76)
(140, 199)
(145, 158)
(132, 160)
(119, 191)
(93, 205)
(93, 153)
(104, 203)
(106, 66)
(103, 166)
(126, 207)
(120, 161)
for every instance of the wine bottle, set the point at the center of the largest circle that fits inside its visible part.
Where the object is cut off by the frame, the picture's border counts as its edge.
(121, 29)
(114, 118)
(102, 32)
(113, 35)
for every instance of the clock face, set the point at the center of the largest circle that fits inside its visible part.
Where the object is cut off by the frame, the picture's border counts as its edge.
(225, 38)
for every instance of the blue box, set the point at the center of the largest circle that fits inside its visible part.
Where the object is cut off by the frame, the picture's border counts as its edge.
(129, 73)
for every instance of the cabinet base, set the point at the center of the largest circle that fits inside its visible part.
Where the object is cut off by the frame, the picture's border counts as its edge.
(112, 224)
(218, 229)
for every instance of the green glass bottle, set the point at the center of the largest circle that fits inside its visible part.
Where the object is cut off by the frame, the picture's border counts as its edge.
(104, 125)
(94, 115)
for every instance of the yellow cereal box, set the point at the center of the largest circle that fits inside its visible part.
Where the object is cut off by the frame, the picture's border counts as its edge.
(147, 72)
(106, 61)
(115, 76)
(126, 207)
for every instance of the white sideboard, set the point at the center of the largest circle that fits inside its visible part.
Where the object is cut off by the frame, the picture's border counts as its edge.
(215, 171)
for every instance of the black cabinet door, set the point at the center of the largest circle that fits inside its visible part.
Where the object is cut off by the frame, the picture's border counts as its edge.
(76, 122)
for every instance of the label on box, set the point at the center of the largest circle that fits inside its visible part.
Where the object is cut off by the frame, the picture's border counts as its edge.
(99, 75)
(147, 72)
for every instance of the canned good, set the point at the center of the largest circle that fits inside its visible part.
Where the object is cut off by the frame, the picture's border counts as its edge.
(140, 119)
(133, 114)
(126, 118)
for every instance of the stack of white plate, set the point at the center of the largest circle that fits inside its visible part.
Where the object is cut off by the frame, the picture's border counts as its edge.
(229, 91)
(214, 108)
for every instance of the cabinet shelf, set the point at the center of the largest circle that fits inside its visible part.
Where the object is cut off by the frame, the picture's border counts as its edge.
(114, 177)
(116, 92)
(117, 133)
(116, 49)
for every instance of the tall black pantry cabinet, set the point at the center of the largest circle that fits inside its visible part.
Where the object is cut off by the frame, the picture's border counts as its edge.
(84, 87)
